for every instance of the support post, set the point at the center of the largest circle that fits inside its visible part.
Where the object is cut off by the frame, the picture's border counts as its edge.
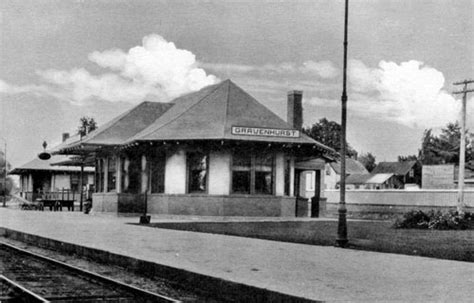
(145, 219)
(81, 185)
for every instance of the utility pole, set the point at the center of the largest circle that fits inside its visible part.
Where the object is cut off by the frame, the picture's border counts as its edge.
(5, 177)
(462, 149)
(341, 239)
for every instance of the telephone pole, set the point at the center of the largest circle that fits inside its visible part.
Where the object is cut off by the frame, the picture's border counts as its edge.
(462, 149)
(341, 239)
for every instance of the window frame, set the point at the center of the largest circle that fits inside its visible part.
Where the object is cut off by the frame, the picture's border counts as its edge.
(253, 175)
(161, 157)
(111, 177)
(188, 172)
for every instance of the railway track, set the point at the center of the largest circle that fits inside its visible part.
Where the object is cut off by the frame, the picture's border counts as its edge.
(28, 277)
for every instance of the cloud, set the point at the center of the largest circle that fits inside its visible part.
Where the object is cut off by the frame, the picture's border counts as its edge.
(155, 68)
(409, 93)
(322, 69)
(325, 69)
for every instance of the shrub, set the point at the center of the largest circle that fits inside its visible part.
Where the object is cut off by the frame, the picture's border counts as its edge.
(435, 220)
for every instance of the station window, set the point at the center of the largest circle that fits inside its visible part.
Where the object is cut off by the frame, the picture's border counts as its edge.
(287, 175)
(264, 174)
(252, 174)
(197, 172)
(134, 174)
(111, 174)
(157, 162)
(241, 165)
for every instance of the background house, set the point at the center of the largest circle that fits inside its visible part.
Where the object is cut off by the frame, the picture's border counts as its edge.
(332, 174)
(372, 181)
(407, 172)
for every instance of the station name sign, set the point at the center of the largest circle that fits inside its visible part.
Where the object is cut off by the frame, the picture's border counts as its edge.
(265, 132)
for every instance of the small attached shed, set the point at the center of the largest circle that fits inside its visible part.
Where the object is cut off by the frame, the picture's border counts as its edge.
(40, 177)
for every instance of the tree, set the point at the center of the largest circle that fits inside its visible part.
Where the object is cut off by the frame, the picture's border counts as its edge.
(8, 183)
(86, 125)
(328, 133)
(444, 148)
(368, 160)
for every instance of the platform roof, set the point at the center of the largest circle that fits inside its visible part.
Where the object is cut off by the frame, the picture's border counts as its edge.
(48, 165)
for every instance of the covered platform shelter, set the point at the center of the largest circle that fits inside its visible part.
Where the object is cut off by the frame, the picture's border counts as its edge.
(214, 152)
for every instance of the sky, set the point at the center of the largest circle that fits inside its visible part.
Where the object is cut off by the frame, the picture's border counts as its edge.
(61, 60)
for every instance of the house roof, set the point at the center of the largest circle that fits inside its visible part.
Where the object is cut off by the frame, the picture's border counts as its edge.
(396, 168)
(352, 167)
(208, 114)
(47, 165)
(367, 178)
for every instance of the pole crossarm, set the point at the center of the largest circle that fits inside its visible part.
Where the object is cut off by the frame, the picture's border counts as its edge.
(463, 91)
(463, 82)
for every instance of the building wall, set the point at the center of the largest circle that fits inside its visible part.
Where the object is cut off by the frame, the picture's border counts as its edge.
(175, 173)
(438, 176)
(219, 173)
(197, 204)
(105, 202)
(330, 177)
(61, 181)
(216, 202)
(387, 203)
(238, 205)
(280, 174)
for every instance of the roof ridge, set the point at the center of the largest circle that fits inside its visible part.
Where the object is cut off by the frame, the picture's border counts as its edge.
(183, 112)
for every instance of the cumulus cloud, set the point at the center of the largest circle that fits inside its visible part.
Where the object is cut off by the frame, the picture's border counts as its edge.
(155, 68)
(322, 69)
(409, 93)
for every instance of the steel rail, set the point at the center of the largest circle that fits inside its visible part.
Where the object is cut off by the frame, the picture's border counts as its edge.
(141, 293)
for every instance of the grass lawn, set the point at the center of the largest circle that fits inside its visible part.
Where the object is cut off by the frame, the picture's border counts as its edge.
(363, 235)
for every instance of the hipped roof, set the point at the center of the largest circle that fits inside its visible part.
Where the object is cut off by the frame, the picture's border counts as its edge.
(120, 129)
(208, 114)
(47, 165)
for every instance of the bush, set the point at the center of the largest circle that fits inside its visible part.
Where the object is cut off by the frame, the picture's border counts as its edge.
(436, 220)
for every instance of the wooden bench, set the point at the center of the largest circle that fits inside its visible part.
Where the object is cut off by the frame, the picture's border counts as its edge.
(57, 205)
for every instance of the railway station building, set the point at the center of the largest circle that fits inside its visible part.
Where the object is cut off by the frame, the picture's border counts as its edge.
(214, 152)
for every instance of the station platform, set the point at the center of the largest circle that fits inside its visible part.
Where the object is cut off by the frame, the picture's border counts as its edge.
(306, 271)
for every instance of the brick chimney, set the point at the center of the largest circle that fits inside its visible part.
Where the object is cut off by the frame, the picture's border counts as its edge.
(65, 136)
(295, 109)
